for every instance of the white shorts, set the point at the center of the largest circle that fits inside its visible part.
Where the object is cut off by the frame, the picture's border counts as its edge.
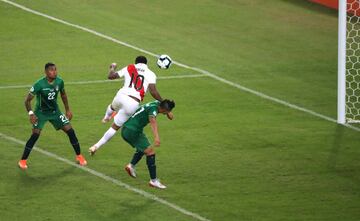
(125, 107)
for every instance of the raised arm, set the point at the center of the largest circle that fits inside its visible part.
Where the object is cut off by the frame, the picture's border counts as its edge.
(28, 99)
(112, 73)
(154, 129)
(154, 93)
(66, 104)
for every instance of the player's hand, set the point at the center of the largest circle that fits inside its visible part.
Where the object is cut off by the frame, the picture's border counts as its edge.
(157, 142)
(33, 119)
(69, 115)
(170, 116)
(113, 66)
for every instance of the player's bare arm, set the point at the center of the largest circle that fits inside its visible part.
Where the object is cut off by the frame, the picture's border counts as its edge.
(32, 116)
(64, 99)
(112, 73)
(155, 131)
(154, 92)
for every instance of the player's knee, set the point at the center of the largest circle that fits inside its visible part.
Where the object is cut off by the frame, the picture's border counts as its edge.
(36, 132)
(115, 127)
(149, 151)
(67, 128)
(112, 108)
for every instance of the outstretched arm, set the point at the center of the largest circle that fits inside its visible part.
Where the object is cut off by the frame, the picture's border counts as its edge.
(33, 118)
(154, 129)
(66, 104)
(154, 93)
(112, 73)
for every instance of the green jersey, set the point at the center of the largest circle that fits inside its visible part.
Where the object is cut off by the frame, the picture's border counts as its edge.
(141, 117)
(46, 94)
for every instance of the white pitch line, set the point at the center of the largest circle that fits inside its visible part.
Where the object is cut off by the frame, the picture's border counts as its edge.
(214, 76)
(106, 81)
(110, 179)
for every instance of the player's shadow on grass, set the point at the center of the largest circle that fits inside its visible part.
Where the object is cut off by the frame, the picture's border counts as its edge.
(342, 169)
(40, 181)
(136, 210)
(335, 149)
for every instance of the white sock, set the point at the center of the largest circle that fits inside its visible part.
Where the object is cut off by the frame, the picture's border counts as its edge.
(108, 112)
(107, 136)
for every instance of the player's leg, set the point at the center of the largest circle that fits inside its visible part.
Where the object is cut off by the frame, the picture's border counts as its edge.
(41, 120)
(105, 138)
(127, 106)
(75, 144)
(108, 114)
(28, 147)
(60, 121)
(112, 108)
(151, 164)
(142, 144)
(130, 167)
(130, 137)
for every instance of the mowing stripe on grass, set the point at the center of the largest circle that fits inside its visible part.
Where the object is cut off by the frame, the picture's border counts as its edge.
(106, 81)
(207, 73)
(110, 179)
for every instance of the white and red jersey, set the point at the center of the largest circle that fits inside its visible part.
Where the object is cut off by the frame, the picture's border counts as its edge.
(137, 80)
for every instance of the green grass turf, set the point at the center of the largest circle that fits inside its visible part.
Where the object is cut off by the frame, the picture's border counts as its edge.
(228, 155)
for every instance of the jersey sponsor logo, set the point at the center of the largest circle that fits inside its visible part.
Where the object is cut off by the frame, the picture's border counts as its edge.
(57, 88)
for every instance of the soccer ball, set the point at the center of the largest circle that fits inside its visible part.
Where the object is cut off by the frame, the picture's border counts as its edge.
(164, 61)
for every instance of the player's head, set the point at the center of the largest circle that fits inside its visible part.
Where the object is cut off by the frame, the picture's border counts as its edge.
(166, 106)
(50, 70)
(140, 59)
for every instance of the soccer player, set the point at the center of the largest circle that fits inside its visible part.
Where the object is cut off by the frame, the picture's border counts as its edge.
(132, 133)
(138, 79)
(46, 91)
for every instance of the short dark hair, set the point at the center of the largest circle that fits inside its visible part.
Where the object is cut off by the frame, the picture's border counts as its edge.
(49, 64)
(167, 104)
(140, 59)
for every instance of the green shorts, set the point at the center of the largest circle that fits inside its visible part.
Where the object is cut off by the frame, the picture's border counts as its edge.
(57, 119)
(136, 139)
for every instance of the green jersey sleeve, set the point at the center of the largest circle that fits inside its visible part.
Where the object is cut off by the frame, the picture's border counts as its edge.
(35, 89)
(152, 111)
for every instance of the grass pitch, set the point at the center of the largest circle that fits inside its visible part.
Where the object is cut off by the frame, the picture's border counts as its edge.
(229, 155)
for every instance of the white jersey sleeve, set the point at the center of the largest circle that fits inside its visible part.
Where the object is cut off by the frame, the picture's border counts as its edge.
(121, 73)
(151, 78)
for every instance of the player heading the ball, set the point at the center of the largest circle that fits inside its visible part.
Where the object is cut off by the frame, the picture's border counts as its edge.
(132, 133)
(138, 78)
